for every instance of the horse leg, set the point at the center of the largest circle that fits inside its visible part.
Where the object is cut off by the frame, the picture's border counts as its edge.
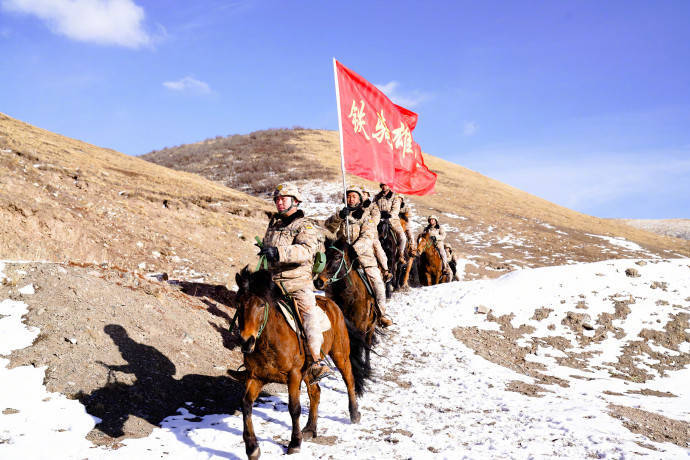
(314, 392)
(294, 383)
(342, 362)
(252, 389)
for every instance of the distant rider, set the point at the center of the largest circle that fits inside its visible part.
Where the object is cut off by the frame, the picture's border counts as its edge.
(373, 213)
(290, 244)
(361, 236)
(389, 204)
(437, 235)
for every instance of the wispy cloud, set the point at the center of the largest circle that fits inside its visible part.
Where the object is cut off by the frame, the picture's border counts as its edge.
(104, 22)
(607, 184)
(406, 99)
(188, 84)
(469, 128)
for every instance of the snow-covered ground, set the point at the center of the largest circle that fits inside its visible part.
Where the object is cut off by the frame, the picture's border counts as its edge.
(433, 398)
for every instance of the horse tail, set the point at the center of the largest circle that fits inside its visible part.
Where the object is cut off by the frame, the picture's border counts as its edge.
(361, 367)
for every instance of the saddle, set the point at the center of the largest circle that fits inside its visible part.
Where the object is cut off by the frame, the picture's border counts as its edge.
(367, 284)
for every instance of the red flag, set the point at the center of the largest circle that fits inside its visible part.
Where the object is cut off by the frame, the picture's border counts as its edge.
(376, 136)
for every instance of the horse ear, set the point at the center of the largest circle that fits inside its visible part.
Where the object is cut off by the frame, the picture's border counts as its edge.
(242, 279)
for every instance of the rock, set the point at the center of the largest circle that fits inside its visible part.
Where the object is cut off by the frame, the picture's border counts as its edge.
(483, 309)
(641, 263)
(632, 272)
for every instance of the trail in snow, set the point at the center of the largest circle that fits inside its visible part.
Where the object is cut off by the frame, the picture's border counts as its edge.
(433, 398)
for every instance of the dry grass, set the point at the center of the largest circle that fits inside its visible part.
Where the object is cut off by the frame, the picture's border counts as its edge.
(254, 163)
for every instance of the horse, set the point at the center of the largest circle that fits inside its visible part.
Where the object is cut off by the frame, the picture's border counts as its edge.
(430, 264)
(349, 292)
(390, 247)
(274, 353)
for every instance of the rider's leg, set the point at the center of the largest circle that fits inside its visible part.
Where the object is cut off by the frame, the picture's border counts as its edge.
(315, 322)
(374, 275)
(444, 258)
(402, 238)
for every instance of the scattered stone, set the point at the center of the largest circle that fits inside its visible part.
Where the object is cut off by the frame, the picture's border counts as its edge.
(663, 285)
(641, 263)
(632, 272)
(71, 340)
(483, 309)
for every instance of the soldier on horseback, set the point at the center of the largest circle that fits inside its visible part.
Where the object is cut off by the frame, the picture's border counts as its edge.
(289, 245)
(362, 231)
(438, 235)
(389, 204)
(374, 214)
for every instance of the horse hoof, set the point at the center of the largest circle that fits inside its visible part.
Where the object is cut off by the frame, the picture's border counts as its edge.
(308, 433)
(255, 454)
(355, 417)
(293, 450)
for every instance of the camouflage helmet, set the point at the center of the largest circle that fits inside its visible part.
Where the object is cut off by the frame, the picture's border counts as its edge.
(287, 189)
(357, 189)
(433, 216)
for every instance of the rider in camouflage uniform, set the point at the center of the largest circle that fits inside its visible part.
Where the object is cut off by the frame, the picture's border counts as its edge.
(405, 209)
(438, 235)
(389, 204)
(373, 213)
(289, 245)
(361, 235)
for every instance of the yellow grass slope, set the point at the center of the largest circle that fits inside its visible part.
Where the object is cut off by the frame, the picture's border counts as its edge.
(65, 200)
(503, 227)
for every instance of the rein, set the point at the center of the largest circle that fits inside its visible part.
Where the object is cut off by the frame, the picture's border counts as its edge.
(263, 323)
(335, 278)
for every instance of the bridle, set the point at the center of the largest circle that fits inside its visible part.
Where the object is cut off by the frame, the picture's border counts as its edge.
(335, 278)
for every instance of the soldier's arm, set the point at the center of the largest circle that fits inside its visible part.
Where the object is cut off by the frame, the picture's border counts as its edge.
(395, 209)
(441, 233)
(333, 222)
(304, 246)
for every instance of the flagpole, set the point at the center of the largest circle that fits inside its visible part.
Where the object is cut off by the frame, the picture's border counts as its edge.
(342, 156)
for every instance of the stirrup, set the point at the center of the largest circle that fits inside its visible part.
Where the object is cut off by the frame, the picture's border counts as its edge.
(318, 370)
(387, 276)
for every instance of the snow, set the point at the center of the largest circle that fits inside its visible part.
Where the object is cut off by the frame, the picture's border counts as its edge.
(433, 396)
(620, 241)
(27, 290)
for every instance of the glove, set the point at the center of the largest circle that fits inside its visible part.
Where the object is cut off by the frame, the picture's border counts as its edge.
(385, 215)
(271, 253)
(344, 212)
(433, 239)
(358, 213)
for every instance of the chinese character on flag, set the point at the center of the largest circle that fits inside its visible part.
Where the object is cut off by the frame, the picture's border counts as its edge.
(376, 136)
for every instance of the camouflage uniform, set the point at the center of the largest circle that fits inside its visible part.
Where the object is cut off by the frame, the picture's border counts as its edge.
(372, 212)
(439, 234)
(390, 203)
(405, 209)
(297, 240)
(362, 234)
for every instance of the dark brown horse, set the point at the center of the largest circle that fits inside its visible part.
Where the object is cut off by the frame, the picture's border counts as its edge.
(274, 353)
(429, 263)
(342, 284)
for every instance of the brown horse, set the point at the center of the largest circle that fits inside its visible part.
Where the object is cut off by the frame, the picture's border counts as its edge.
(430, 264)
(274, 353)
(347, 289)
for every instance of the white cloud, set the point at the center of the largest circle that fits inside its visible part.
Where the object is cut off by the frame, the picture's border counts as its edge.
(104, 22)
(407, 99)
(469, 128)
(188, 84)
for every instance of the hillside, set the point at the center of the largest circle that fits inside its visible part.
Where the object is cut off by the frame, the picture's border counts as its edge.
(677, 228)
(65, 200)
(497, 227)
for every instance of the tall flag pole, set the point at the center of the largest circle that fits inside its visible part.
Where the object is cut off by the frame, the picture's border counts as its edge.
(342, 155)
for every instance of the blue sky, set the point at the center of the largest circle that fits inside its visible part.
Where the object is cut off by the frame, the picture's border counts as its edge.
(583, 103)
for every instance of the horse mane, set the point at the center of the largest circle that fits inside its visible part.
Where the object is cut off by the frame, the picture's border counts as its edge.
(259, 283)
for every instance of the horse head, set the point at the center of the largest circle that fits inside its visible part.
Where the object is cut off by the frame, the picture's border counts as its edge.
(338, 263)
(254, 294)
(423, 242)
